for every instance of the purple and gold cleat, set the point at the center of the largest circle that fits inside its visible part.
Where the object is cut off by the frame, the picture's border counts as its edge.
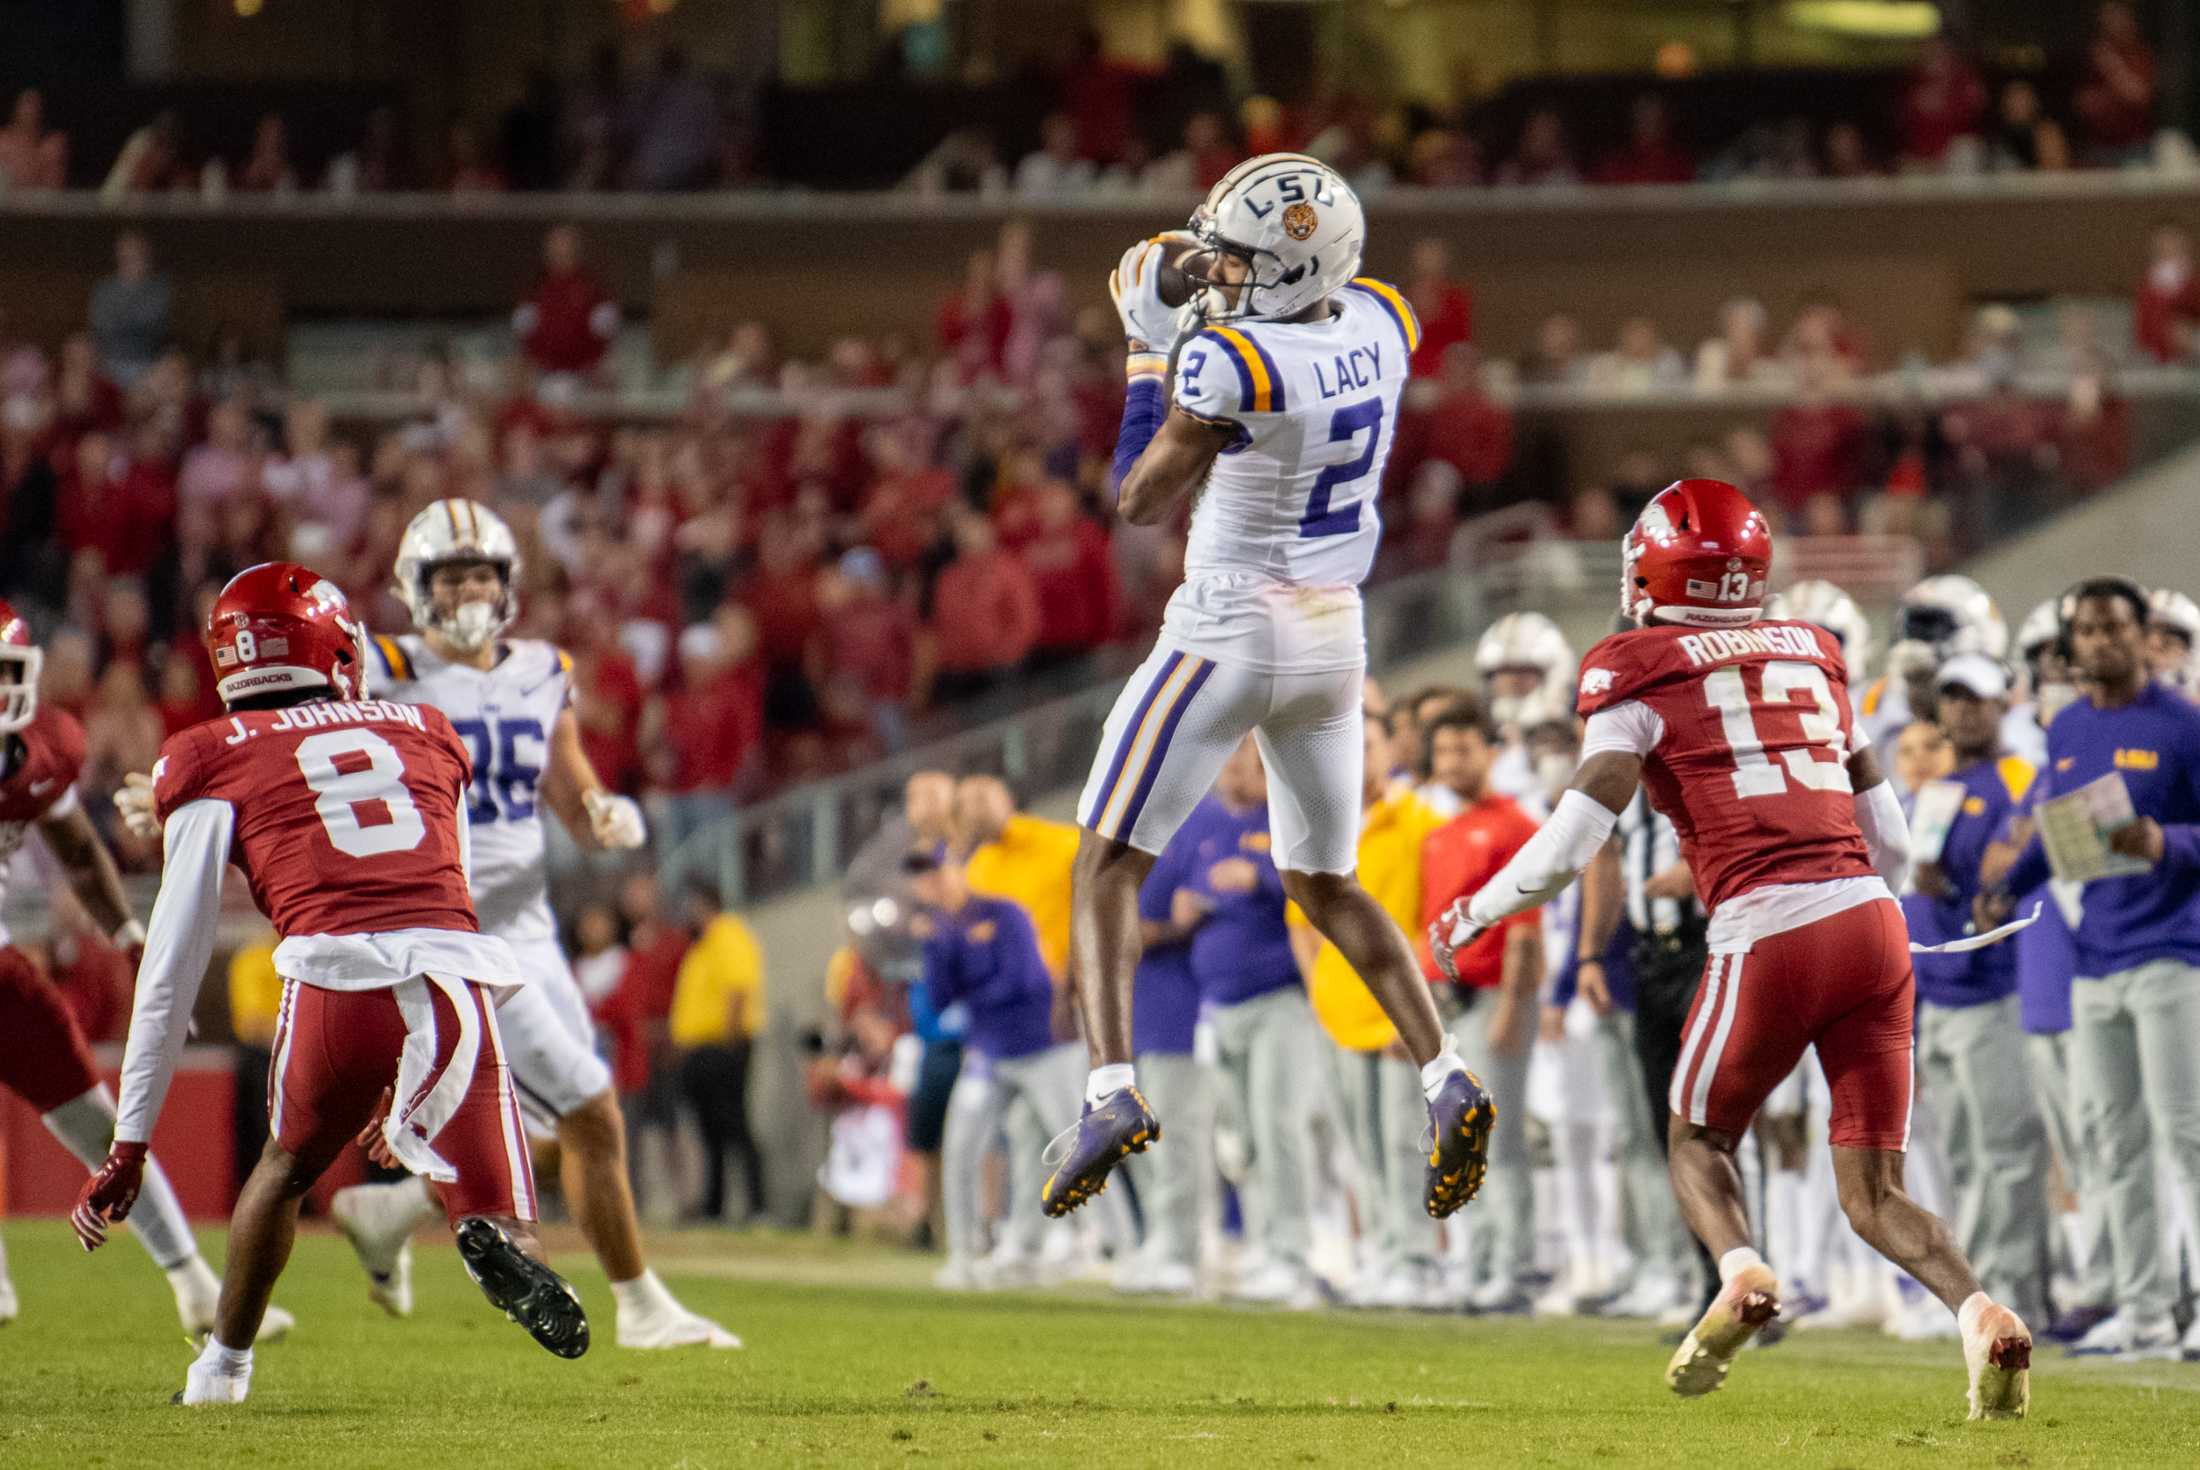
(1104, 1136)
(1460, 1119)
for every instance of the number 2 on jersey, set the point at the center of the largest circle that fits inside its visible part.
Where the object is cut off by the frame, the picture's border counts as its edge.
(1346, 425)
(1754, 773)
(341, 792)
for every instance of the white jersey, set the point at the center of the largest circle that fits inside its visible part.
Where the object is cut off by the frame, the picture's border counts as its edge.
(505, 715)
(1286, 526)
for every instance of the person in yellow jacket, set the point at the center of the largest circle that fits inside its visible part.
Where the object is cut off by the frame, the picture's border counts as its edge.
(717, 1013)
(1378, 1086)
(1021, 858)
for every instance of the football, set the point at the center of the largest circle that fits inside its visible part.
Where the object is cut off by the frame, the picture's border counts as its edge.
(1175, 286)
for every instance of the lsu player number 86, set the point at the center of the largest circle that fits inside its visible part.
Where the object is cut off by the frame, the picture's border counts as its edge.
(510, 700)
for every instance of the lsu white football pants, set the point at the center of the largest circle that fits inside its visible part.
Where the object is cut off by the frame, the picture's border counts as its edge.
(1177, 721)
(549, 1040)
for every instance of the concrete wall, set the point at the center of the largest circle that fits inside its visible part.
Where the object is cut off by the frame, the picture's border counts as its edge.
(1904, 259)
(2148, 530)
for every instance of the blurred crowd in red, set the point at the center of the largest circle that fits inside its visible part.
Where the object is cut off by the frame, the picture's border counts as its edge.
(758, 593)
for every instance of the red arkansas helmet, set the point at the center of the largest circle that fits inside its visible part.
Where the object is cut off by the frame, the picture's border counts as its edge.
(19, 693)
(280, 626)
(1698, 554)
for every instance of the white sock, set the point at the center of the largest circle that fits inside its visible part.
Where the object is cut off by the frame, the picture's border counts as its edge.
(644, 1294)
(226, 1361)
(1105, 1082)
(1967, 1314)
(1738, 1260)
(1440, 1068)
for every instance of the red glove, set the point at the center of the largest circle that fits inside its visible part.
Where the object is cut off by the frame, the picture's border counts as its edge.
(371, 1137)
(1453, 931)
(108, 1195)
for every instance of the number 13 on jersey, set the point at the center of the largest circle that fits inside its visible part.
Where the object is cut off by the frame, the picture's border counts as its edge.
(1782, 680)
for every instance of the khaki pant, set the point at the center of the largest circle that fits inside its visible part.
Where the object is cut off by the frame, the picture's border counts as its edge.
(1269, 1054)
(2135, 1062)
(1973, 1059)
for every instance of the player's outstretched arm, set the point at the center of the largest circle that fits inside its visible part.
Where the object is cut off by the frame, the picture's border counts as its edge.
(1879, 817)
(1172, 467)
(594, 814)
(177, 947)
(90, 869)
(178, 944)
(1550, 860)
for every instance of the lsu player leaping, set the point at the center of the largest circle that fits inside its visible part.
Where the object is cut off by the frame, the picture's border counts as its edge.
(509, 699)
(1288, 368)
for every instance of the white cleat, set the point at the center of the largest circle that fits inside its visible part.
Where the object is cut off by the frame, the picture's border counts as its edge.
(8, 1304)
(196, 1306)
(1281, 1285)
(198, 1300)
(957, 1273)
(204, 1384)
(678, 1328)
(1648, 1299)
(1140, 1276)
(1746, 1303)
(379, 1226)
(1997, 1348)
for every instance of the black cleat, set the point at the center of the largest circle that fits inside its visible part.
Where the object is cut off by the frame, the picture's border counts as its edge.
(523, 1288)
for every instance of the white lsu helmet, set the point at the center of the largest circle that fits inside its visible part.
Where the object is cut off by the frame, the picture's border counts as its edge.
(1524, 640)
(1948, 615)
(1295, 223)
(2041, 626)
(2171, 609)
(2177, 612)
(458, 531)
(1815, 600)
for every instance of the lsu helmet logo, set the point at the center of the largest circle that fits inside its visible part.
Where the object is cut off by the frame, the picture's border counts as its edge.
(1299, 221)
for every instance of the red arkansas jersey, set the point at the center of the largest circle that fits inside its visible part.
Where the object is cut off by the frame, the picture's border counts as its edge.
(1745, 735)
(346, 814)
(45, 758)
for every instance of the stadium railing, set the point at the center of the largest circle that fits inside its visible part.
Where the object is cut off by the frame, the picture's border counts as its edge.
(805, 835)
(1929, 387)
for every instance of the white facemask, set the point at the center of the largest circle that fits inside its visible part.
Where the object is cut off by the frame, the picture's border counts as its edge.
(472, 625)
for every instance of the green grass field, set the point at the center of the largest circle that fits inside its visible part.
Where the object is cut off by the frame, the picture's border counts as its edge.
(852, 1361)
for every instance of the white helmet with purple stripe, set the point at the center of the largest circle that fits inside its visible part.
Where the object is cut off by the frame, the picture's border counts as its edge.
(1293, 223)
